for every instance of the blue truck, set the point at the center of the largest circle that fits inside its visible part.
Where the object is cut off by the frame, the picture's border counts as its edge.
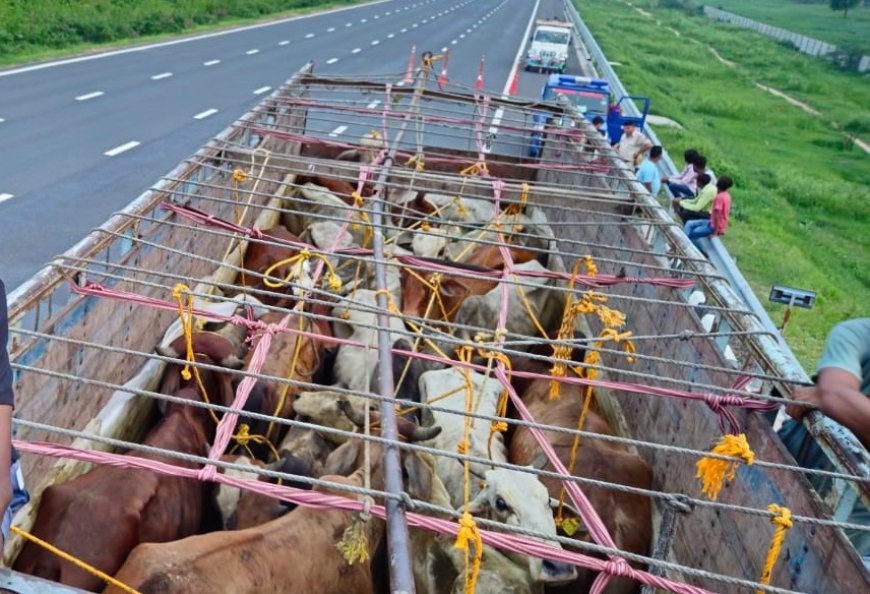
(593, 98)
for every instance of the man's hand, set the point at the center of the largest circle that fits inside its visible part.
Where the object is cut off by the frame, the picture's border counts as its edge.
(665, 179)
(809, 395)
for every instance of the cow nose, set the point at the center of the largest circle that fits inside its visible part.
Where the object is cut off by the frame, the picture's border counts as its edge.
(555, 571)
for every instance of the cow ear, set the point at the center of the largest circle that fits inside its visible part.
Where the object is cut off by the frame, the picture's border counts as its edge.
(342, 461)
(540, 461)
(419, 477)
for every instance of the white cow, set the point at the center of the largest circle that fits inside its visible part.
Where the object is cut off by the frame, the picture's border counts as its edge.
(356, 319)
(509, 496)
(481, 311)
(450, 207)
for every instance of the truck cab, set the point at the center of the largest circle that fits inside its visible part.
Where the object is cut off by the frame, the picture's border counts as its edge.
(549, 46)
(592, 98)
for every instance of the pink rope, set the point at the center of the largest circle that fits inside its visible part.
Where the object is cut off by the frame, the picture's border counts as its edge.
(323, 501)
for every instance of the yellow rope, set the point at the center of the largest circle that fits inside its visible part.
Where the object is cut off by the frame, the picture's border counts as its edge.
(782, 522)
(298, 262)
(467, 526)
(359, 204)
(244, 437)
(75, 561)
(714, 472)
(185, 314)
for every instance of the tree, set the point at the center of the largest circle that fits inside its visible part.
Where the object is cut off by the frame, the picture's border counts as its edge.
(844, 5)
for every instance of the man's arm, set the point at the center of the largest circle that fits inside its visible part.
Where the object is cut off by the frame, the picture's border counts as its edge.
(837, 394)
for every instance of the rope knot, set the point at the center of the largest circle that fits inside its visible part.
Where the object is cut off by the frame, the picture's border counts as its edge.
(239, 175)
(256, 233)
(462, 446)
(207, 473)
(500, 426)
(243, 437)
(782, 522)
(618, 567)
(468, 532)
(714, 472)
(784, 517)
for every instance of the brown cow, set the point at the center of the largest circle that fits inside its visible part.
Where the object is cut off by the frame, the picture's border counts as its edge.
(626, 515)
(260, 256)
(286, 349)
(294, 553)
(454, 288)
(102, 515)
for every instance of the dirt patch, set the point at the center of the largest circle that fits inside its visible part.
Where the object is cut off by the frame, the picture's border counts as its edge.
(643, 12)
(720, 58)
(663, 121)
(789, 99)
(861, 144)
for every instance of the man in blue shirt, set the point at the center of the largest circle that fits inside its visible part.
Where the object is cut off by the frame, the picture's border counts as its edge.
(648, 173)
(842, 392)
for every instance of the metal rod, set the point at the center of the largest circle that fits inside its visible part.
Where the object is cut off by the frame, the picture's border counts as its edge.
(398, 541)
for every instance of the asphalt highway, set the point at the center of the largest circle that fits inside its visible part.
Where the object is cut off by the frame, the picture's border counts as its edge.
(81, 138)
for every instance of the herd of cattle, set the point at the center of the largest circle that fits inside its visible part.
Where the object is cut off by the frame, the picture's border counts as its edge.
(158, 533)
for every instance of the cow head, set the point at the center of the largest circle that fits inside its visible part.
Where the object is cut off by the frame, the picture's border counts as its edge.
(519, 499)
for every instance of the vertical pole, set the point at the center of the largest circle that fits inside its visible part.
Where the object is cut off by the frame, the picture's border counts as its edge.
(398, 541)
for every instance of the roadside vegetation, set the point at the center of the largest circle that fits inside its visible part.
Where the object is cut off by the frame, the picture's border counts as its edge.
(813, 18)
(48, 28)
(801, 209)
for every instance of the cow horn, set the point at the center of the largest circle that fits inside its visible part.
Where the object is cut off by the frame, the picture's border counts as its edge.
(167, 351)
(424, 433)
(356, 417)
(232, 362)
(540, 461)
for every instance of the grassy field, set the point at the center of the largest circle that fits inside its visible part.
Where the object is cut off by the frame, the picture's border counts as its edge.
(50, 29)
(801, 209)
(812, 18)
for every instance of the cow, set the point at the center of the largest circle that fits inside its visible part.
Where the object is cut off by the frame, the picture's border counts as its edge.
(294, 553)
(100, 516)
(291, 356)
(260, 256)
(356, 319)
(513, 497)
(480, 312)
(627, 516)
(242, 509)
(460, 209)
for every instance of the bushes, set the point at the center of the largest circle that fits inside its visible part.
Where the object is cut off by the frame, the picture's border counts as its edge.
(57, 24)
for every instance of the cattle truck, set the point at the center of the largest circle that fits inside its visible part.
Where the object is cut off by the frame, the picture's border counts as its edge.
(84, 328)
(549, 46)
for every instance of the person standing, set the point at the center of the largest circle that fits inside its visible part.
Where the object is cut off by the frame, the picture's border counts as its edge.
(632, 144)
(648, 173)
(685, 184)
(12, 492)
(717, 224)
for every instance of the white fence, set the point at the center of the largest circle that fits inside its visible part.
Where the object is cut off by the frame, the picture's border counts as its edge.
(807, 45)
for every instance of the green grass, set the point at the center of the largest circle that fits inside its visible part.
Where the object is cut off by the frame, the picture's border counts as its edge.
(812, 18)
(801, 208)
(50, 29)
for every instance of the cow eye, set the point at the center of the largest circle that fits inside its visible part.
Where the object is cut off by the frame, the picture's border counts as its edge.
(501, 505)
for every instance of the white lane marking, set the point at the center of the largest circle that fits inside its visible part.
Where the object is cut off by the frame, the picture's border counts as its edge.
(390, 35)
(348, 24)
(284, 42)
(142, 48)
(468, 30)
(337, 131)
(388, 13)
(462, 36)
(87, 96)
(363, 20)
(161, 76)
(2, 120)
(414, 26)
(377, 16)
(120, 149)
(331, 30)
(262, 90)
(5, 197)
(204, 114)
(444, 49)
(401, 83)
(404, 30)
(211, 62)
(374, 104)
(332, 61)
(375, 42)
(496, 118)
(251, 52)
(424, 21)
(355, 50)
(309, 35)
